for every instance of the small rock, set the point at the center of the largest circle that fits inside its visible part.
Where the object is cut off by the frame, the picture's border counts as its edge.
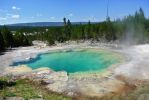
(45, 82)
(58, 86)
(37, 99)
(13, 98)
(70, 94)
(58, 76)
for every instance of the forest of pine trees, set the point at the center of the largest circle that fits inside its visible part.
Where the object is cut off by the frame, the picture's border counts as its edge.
(9, 40)
(132, 28)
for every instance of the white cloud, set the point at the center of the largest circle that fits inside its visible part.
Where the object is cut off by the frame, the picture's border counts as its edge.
(15, 16)
(52, 17)
(3, 18)
(15, 8)
(70, 15)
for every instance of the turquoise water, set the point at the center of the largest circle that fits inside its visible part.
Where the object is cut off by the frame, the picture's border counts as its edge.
(73, 61)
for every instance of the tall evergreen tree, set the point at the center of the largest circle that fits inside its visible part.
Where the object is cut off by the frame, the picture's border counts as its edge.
(50, 39)
(69, 29)
(8, 37)
(1, 42)
(64, 19)
(88, 30)
(20, 39)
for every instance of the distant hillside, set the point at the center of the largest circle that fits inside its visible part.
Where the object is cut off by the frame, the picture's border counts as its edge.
(43, 24)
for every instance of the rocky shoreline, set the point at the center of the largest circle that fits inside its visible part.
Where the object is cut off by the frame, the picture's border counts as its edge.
(114, 81)
(60, 82)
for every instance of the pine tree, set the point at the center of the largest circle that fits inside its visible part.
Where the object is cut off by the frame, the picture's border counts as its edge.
(20, 39)
(8, 37)
(69, 29)
(1, 42)
(64, 19)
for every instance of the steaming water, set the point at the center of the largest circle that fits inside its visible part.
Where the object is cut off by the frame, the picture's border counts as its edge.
(74, 61)
(138, 65)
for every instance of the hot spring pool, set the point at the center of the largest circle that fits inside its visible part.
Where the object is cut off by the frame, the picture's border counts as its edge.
(74, 61)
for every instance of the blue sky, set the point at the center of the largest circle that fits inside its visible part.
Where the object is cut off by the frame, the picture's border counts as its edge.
(20, 11)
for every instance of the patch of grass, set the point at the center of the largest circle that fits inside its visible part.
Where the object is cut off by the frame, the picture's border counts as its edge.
(28, 89)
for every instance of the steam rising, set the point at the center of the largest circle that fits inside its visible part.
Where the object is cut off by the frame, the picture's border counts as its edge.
(134, 28)
(138, 65)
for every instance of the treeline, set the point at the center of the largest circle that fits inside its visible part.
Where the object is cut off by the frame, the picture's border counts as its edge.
(101, 31)
(9, 40)
(131, 29)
